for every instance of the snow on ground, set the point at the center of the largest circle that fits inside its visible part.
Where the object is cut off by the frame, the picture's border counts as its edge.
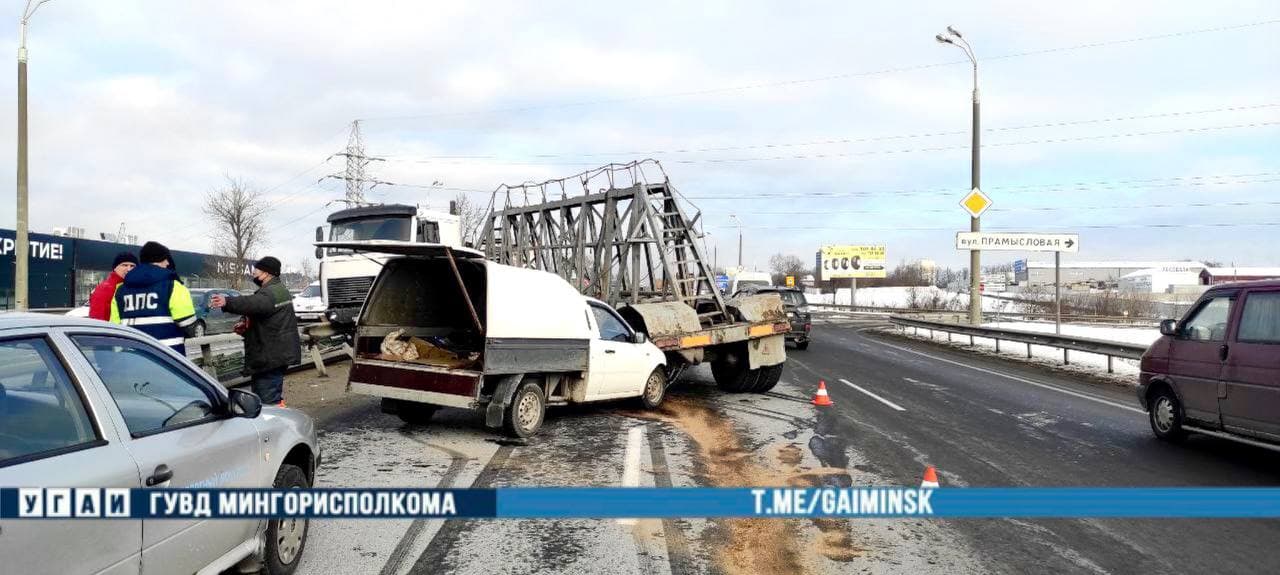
(901, 297)
(1125, 371)
(1138, 335)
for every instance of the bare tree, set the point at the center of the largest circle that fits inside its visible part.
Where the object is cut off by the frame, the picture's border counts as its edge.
(238, 212)
(306, 269)
(783, 265)
(470, 218)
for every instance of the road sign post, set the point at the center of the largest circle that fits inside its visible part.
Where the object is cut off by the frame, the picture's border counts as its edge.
(1028, 242)
(1057, 293)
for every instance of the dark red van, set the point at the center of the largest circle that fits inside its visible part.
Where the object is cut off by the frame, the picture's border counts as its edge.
(1217, 371)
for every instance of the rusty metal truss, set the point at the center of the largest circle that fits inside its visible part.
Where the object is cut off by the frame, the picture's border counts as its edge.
(632, 244)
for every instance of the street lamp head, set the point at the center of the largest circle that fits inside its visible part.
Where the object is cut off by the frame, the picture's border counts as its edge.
(954, 32)
(942, 39)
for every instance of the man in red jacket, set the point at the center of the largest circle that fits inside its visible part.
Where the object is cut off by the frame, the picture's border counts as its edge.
(100, 299)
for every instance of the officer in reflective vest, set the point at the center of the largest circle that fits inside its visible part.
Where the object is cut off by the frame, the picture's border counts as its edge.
(152, 300)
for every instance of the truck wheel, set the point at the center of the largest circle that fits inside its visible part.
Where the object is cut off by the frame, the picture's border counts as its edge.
(732, 374)
(802, 345)
(286, 537)
(527, 410)
(1165, 415)
(655, 389)
(769, 377)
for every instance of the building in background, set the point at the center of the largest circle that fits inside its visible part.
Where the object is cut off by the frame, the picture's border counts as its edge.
(1175, 279)
(1092, 274)
(64, 269)
(1214, 276)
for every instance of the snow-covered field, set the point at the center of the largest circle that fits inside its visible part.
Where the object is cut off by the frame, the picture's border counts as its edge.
(1125, 371)
(1138, 335)
(902, 297)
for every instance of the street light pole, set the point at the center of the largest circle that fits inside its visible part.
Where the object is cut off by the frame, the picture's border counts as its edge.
(735, 218)
(21, 269)
(954, 38)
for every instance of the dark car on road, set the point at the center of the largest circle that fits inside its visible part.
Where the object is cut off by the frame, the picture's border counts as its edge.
(1217, 371)
(212, 320)
(797, 309)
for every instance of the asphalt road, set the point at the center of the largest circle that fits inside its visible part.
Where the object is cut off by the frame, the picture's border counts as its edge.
(981, 421)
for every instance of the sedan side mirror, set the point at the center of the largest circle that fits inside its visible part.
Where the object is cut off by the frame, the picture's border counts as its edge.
(639, 337)
(244, 404)
(1169, 327)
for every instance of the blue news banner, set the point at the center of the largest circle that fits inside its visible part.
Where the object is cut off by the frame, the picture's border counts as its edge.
(540, 502)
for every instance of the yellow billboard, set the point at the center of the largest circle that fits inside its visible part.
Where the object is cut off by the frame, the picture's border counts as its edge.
(843, 262)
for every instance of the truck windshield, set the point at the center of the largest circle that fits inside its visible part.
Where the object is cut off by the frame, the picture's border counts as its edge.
(369, 229)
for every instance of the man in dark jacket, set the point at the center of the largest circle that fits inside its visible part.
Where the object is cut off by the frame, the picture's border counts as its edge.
(271, 342)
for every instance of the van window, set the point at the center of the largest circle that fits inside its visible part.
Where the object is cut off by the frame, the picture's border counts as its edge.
(1260, 320)
(1209, 322)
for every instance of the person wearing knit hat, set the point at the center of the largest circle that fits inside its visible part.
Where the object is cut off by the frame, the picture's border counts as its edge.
(153, 300)
(100, 299)
(271, 340)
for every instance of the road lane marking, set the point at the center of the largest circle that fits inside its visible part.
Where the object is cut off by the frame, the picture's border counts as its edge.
(873, 396)
(911, 380)
(1016, 378)
(631, 464)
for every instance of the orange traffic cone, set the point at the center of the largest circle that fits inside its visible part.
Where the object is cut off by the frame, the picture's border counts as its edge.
(821, 398)
(930, 478)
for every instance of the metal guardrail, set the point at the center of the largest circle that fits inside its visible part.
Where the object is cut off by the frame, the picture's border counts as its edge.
(1067, 343)
(997, 315)
(209, 353)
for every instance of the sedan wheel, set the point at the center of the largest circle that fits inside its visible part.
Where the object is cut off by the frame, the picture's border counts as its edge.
(655, 389)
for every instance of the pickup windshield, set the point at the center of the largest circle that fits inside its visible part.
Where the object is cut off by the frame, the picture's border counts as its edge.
(792, 298)
(369, 229)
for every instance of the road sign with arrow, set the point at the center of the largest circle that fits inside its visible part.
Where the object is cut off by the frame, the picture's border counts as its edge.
(1021, 242)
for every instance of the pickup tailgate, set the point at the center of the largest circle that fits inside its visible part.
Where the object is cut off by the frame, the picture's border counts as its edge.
(416, 382)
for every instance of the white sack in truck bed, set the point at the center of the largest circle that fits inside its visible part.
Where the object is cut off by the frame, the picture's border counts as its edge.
(417, 350)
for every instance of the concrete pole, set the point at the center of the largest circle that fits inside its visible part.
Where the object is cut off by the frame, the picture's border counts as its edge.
(21, 270)
(975, 224)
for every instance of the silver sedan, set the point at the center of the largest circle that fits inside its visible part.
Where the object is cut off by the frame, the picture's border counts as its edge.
(89, 404)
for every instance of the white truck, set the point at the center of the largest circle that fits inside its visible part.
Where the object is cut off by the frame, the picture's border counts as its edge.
(443, 327)
(345, 276)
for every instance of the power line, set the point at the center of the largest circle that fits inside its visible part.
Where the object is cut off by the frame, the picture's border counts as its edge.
(828, 78)
(952, 210)
(1103, 185)
(838, 141)
(830, 155)
(953, 228)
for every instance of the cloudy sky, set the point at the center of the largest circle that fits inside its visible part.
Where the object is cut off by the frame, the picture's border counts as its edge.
(1150, 128)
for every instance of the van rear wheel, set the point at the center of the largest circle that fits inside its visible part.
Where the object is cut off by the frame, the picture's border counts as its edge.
(527, 411)
(1165, 415)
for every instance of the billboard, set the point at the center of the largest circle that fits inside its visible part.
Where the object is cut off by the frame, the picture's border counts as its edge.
(842, 262)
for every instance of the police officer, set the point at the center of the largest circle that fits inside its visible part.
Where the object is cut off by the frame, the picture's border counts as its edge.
(153, 300)
(271, 341)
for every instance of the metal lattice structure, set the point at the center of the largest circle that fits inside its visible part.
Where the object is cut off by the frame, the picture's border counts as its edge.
(632, 244)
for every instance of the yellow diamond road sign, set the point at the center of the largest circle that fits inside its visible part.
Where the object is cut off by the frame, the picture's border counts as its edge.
(975, 202)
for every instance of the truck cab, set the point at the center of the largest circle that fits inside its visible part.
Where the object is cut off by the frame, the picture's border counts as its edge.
(346, 276)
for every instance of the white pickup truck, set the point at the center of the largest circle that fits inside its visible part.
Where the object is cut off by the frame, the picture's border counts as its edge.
(443, 327)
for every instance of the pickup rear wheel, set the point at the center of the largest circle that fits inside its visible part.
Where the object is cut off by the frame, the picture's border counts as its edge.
(655, 389)
(527, 410)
